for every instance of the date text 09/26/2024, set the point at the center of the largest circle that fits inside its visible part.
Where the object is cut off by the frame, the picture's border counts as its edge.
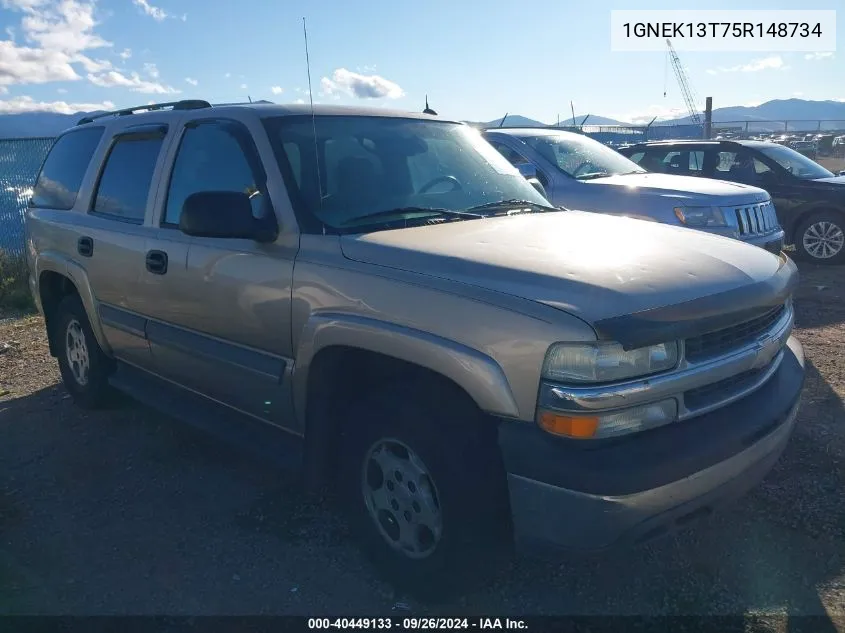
(417, 624)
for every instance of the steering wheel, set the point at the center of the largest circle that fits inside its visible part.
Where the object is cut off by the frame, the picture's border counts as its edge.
(456, 184)
(578, 169)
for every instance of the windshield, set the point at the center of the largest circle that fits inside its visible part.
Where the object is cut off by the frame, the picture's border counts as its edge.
(581, 157)
(797, 164)
(378, 170)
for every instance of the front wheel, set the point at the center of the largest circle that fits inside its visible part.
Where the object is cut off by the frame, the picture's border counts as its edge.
(425, 491)
(820, 239)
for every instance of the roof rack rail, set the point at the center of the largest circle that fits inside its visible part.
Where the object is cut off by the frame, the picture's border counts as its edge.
(185, 104)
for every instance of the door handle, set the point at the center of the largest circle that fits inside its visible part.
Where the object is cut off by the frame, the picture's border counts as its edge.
(157, 262)
(85, 246)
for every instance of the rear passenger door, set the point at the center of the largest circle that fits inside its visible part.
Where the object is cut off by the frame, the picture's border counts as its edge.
(221, 326)
(111, 234)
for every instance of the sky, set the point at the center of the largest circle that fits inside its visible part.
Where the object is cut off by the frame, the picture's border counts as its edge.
(475, 59)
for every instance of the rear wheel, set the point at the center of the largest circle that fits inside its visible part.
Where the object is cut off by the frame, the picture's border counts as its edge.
(84, 367)
(425, 491)
(820, 239)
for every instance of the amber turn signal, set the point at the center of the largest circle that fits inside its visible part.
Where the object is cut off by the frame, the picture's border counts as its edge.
(569, 425)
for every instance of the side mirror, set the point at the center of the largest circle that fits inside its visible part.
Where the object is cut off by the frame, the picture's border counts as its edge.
(528, 170)
(841, 173)
(539, 187)
(226, 214)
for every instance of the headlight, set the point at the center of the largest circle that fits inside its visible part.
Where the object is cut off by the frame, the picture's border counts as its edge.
(606, 361)
(700, 216)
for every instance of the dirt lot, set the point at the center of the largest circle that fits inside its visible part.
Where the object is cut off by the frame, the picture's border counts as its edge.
(832, 164)
(129, 512)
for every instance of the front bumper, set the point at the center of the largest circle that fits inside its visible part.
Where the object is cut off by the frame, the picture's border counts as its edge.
(575, 497)
(772, 242)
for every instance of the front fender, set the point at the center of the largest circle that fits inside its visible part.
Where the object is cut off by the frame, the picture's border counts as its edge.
(54, 261)
(478, 374)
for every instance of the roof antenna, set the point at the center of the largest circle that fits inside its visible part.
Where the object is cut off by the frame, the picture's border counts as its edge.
(502, 122)
(427, 109)
(250, 98)
(313, 122)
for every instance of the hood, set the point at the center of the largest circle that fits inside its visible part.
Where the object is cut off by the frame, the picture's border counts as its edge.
(835, 180)
(685, 187)
(591, 265)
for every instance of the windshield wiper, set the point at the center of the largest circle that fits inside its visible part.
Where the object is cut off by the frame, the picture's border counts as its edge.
(513, 202)
(593, 175)
(386, 213)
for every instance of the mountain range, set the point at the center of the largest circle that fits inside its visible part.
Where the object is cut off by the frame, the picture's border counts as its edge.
(793, 110)
(30, 124)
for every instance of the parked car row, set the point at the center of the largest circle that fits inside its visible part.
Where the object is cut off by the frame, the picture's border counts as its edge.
(578, 172)
(759, 192)
(809, 199)
(382, 299)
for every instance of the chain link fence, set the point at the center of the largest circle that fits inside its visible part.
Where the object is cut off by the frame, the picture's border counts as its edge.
(20, 160)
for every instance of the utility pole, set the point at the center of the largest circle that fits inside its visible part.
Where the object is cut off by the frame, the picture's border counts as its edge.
(708, 118)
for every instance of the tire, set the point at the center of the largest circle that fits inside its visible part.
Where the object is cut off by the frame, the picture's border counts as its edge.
(447, 489)
(84, 367)
(820, 238)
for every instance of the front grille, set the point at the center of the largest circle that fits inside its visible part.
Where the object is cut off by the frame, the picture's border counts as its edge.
(720, 341)
(755, 219)
(704, 396)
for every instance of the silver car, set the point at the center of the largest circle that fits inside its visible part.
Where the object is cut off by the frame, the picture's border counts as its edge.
(578, 172)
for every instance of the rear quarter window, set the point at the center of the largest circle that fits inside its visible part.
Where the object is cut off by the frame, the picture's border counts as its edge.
(58, 183)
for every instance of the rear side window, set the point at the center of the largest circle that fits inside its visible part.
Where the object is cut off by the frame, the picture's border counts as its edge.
(125, 181)
(61, 175)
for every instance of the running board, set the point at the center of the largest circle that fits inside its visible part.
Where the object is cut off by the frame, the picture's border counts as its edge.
(241, 431)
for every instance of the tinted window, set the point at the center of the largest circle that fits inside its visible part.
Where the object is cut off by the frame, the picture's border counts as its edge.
(210, 158)
(62, 173)
(125, 182)
(513, 157)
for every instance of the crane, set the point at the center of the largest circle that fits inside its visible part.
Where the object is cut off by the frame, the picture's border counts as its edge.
(686, 89)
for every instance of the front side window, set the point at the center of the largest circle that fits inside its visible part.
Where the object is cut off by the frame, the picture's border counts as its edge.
(61, 175)
(124, 184)
(374, 170)
(213, 157)
(580, 156)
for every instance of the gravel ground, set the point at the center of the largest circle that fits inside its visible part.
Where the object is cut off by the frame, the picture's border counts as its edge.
(127, 512)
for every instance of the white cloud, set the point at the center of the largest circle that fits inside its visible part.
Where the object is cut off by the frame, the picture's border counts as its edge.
(227, 75)
(360, 86)
(134, 82)
(244, 86)
(184, 17)
(300, 101)
(155, 13)
(61, 91)
(775, 62)
(151, 69)
(277, 90)
(798, 94)
(193, 82)
(28, 104)
(817, 56)
(126, 54)
(58, 33)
